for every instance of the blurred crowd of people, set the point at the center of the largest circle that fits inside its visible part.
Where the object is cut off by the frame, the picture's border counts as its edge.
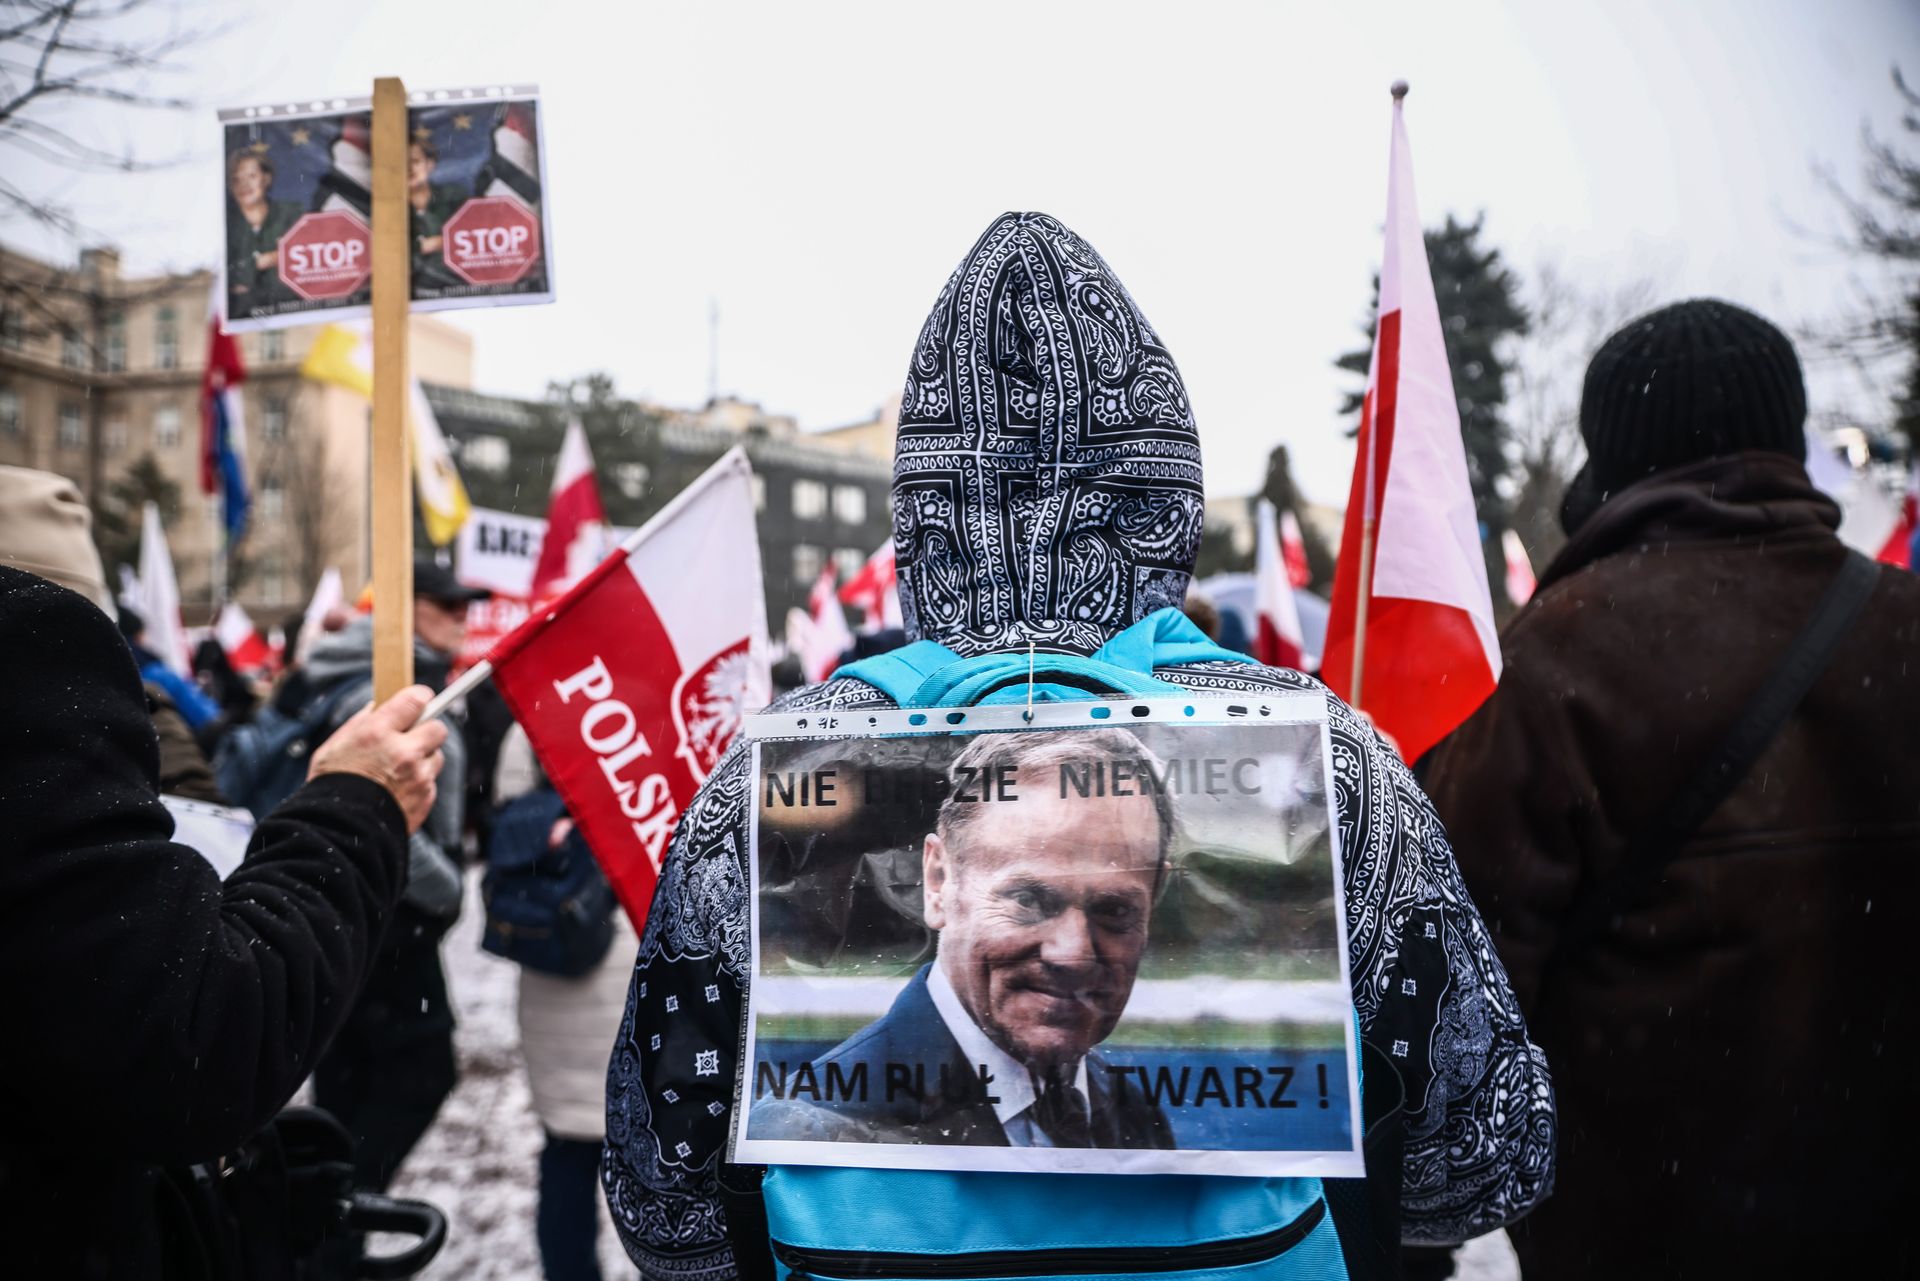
(1728, 1034)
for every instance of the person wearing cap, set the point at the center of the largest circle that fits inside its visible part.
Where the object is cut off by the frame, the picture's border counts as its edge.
(157, 1017)
(1731, 1039)
(392, 1065)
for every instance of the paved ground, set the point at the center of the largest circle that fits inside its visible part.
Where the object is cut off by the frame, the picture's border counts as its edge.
(478, 1163)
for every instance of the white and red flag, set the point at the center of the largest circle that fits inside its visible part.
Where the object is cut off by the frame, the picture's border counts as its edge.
(633, 683)
(828, 636)
(246, 648)
(1897, 549)
(876, 590)
(576, 520)
(1293, 548)
(1278, 640)
(1410, 596)
(1520, 579)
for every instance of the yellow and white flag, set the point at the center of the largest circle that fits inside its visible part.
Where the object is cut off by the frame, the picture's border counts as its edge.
(343, 355)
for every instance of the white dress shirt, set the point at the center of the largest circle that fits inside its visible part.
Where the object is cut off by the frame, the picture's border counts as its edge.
(1012, 1083)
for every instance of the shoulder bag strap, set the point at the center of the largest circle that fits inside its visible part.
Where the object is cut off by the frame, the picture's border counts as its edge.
(1757, 726)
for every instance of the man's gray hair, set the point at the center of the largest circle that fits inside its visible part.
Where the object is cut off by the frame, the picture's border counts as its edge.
(1042, 749)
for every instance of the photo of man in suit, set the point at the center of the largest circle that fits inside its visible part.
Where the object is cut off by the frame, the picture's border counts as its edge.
(1042, 899)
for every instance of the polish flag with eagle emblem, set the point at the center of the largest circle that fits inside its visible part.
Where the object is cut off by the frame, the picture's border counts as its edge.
(633, 683)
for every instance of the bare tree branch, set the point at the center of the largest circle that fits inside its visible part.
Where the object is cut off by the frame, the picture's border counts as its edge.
(56, 51)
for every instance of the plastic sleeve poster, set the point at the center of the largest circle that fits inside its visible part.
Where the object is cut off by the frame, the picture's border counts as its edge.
(1106, 939)
(298, 200)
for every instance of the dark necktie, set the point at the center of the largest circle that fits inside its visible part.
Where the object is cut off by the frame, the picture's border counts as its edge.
(1061, 1113)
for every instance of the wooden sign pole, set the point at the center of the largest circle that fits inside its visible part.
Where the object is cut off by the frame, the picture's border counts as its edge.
(390, 461)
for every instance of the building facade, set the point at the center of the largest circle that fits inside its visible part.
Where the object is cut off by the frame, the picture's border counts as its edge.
(100, 382)
(815, 504)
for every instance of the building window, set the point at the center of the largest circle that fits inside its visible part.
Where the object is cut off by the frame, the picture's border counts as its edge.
(13, 330)
(73, 350)
(806, 563)
(630, 478)
(809, 500)
(849, 561)
(166, 427)
(273, 417)
(73, 428)
(9, 412)
(115, 440)
(273, 585)
(849, 504)
(117, 344)
(273, 345)
(486, 453)
(273, 499)
(166, 340)
(759, 492)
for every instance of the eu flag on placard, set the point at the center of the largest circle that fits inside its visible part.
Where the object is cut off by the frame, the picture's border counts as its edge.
(223, 438)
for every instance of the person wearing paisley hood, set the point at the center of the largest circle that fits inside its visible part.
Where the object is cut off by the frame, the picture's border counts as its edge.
(1047, 490)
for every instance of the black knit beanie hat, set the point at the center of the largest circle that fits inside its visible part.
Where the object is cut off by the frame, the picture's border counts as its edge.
(1693, 380)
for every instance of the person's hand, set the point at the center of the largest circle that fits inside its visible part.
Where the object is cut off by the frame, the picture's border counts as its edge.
(382, 744)
(430, 245)
(268, 260)
(558, 833)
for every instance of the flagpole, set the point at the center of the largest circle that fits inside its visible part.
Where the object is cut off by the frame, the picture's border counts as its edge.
(1370, 513)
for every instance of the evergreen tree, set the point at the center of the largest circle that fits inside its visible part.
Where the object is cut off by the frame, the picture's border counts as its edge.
(1480, 312)
(116, 516)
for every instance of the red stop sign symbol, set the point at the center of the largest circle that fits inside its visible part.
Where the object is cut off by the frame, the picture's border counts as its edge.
(491, 240)
(326, 254)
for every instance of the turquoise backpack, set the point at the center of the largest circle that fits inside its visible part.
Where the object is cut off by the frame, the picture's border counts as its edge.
(833, 1223)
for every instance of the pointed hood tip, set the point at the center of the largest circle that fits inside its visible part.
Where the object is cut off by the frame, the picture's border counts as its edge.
(1047, 480)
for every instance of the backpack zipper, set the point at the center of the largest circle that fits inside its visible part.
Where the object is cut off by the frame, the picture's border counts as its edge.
(1079, 1260)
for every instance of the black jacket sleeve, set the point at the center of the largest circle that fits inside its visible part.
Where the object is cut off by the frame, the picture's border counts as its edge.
(154, 1013)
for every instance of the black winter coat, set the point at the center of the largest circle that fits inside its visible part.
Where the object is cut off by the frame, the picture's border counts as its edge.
(153, 1015)
(1735, 1057)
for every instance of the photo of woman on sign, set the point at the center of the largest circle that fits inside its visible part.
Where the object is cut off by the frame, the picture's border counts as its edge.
(255, 223)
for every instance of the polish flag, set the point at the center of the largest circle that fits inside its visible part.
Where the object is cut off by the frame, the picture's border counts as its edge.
(576, 521)
(875, 589)
(246, 649)
(828, 635)
(633, 683)
(1280, 641)
(1294, 549)
(1898, 547)
(1520, 580)
(1410, 556)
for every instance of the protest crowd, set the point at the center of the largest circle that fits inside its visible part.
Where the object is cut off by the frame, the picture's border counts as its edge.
(1055, 917)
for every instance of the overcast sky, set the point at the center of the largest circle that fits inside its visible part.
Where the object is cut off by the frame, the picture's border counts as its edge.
(819, 168)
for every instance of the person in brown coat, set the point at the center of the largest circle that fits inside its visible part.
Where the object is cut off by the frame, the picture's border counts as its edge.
(1733, 1049)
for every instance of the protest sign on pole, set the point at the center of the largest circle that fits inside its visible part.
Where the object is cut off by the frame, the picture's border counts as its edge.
(299, 206)
(1023, 938)
(390, 458)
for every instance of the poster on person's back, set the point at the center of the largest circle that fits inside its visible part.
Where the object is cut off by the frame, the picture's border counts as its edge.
(298, 197)
(1072, 937)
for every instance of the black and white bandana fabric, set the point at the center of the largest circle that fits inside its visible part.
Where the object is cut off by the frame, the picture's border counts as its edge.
(1429, 990)
(1046, 475)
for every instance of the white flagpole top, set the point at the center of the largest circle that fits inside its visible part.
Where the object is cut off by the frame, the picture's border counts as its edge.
(1398, 90)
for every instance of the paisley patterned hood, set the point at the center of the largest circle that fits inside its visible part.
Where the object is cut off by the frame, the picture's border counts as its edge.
(1046, 476)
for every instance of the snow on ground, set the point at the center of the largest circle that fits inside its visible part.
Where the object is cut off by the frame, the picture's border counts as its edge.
(479, 1162)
